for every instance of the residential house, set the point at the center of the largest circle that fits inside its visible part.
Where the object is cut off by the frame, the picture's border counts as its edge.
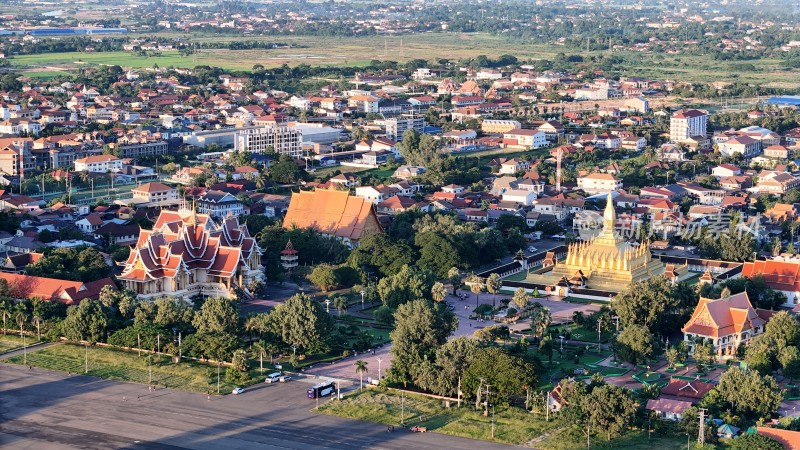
(726, 170)
(689, 390)
(345, 180)
(525, 138)
(513, 165)
(155, 193)
(599, 183)
(777, 183)
(519, 196)
(405, 172)
(704, 196)
(776, 151)
(53, 289)
(743, 145)
(375, 194)
(396, 204)
(219, 204)
(90, 223)
(552, 130)
(98, 163)
(453, 189)
(671, 153)
(668, 409)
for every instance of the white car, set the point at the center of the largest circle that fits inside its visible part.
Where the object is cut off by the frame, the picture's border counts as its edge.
(237, 391)
(532, 249)
(284, 378)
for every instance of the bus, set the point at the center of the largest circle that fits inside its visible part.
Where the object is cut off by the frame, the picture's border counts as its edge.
(321, 390)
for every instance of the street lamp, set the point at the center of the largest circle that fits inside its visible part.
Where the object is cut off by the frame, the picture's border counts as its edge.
(379, 369)
(362, 298)
(327, 305)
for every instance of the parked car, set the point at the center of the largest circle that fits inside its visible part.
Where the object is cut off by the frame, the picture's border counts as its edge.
(451, 306)
(418, 429)
(532, 249)
(284, 378)
(237, 391)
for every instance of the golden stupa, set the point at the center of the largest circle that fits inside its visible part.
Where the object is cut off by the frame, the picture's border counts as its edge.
(606, 262)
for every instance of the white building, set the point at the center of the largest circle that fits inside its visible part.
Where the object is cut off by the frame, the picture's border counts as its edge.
(686, 124)
(282, 139)
(98, 163)
(155, 192)
(519, 196)
(396, 127)
(599, 183)
(219, 204)
(525, 138)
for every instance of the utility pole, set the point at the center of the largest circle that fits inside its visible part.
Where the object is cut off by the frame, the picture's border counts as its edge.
(139, 343)
(558, 169)
(702, 430)
(86, 358)
(492, 421)
(547, 406)
(402, 408)
(486, 402)
(459, 392)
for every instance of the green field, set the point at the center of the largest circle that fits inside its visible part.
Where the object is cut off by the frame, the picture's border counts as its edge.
(128, 366)
(512, 425)
(9, 342)
(77, 59)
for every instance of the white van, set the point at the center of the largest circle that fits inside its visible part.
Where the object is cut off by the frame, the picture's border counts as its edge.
(273, 377)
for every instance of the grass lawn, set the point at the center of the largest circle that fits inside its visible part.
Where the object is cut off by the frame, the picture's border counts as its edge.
(128, 366)
(9, 342)
(512, 425)
(521, 276)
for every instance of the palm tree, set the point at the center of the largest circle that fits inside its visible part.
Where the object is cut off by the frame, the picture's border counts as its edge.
(261, 348)
(361, 368)
(520, 298)
(340, 303)
(454, 277)
(476, 286)
(540, 320)
(5, 312)
(493, 285)
(439, 292)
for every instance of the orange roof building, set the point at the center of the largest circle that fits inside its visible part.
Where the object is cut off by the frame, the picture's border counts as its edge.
(335, 213)
(727, 322)
(789, 439)
(53, 289)
(783, 276)
(186, 254)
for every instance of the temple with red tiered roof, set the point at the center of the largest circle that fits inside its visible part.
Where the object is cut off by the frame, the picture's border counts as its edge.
(188, 254)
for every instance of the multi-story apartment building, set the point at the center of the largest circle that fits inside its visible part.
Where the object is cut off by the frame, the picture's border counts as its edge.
(396, 127)
(283, 139)
(142, 149)
(499, 126)
(686, 124)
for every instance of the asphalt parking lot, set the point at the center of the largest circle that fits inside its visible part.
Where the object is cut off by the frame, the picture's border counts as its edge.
(46, 410)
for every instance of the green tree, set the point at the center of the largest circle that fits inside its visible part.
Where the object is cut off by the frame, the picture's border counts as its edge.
(476, 286)
(747, 393)
(302, 322)
(750, 441)
(324, 277)
(610, 408)
(420, 328)
(406, 285)
(217, 315)
(704, 354)
(507, 374)
(789, 359)
(635, 344)
(239, 360)
(85, 322)
(546, 347)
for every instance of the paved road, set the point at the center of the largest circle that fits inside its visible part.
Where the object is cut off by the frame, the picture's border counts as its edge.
(46, 410)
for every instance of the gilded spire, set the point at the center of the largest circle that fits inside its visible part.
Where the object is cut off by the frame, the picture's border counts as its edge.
(609, 215)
